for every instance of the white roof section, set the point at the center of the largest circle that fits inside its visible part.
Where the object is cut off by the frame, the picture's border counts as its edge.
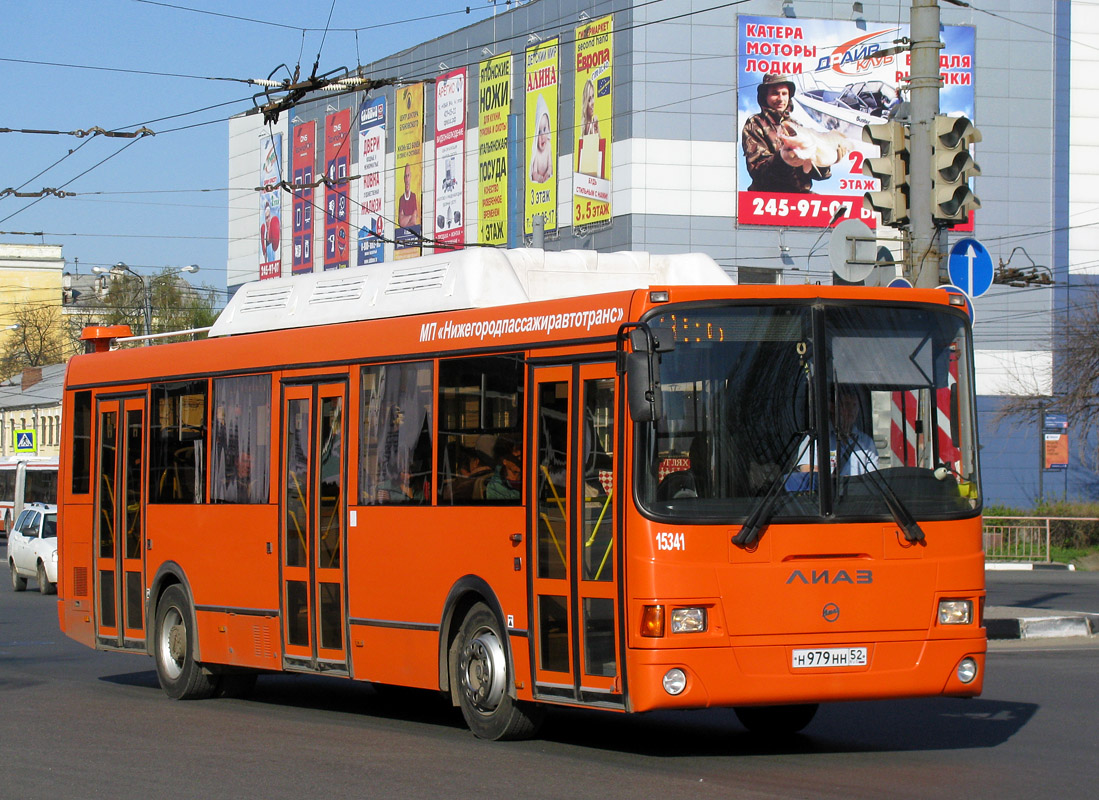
(462, 279)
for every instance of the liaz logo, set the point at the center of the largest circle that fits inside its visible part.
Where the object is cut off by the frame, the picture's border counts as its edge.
(829, 577)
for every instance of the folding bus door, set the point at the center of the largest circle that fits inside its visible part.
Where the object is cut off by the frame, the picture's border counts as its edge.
(120, 524)
(575, 616)
(314, 585)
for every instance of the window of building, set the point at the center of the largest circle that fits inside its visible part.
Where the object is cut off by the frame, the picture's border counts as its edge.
(396, 429)
(240, 442)
(480, 430)
(177, 439)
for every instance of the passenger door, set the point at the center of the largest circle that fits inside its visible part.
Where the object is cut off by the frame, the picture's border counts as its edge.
(575, 619)
(313, 536)
(120, 523)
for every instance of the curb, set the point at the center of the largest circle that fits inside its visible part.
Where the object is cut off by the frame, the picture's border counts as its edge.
(1039, 627)
(1004, 566)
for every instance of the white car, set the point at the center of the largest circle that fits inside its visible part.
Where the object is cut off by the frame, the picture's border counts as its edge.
(32, 548)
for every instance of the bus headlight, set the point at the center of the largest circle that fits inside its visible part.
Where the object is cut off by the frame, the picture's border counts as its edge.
(955, 612)
(688, 620)
(675, 681)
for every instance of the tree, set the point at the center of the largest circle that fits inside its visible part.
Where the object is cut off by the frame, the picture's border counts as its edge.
(36, 341)
(1075, 376)
(174, 304)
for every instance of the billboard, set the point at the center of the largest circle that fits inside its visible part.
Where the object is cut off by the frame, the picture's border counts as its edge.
(493, 108)
(592, 122)
(802, 152)
(541, 135)
(270, 207)
(337, 154)
(409, 166)
(371, 182)
(450, 159)
(302, 160)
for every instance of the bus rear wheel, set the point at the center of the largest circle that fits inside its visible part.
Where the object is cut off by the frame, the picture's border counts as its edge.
(482, 676)
(181, 677)
(776, 720)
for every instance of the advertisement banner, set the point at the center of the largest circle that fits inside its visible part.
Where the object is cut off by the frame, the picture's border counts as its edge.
(337, 155)
(270, 207)
(409, 167)
(450, 159)
(541, 135)
(302, 160)
(493, 108)
(805, 89)
(371, 183)
(591, 181)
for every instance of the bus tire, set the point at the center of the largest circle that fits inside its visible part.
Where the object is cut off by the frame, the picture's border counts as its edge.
(181, 677)
(18, 582)
(776, 720)
(44, 585)
(482, 675)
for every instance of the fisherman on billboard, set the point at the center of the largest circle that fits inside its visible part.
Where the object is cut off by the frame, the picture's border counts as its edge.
(781, 155)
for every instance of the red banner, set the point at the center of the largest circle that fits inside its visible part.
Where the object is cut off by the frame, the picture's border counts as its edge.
(302, 163)
(337, 153)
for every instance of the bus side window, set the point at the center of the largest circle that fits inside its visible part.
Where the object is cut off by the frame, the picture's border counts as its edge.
(240, 440)
(82, 443)
(480, 430)
(177, 442)
(396, 432)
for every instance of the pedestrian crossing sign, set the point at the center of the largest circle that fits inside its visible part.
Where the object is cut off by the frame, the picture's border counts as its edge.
(25, 441)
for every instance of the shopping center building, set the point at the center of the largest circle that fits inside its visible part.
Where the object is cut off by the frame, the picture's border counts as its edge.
(618, 125)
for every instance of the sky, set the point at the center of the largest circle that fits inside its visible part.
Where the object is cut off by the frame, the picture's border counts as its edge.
(159, 200)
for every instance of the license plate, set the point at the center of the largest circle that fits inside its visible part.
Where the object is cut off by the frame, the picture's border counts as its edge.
(808, 658)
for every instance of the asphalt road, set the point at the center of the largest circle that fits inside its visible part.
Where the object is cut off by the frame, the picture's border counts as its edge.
(1054, 590)
(75, 723)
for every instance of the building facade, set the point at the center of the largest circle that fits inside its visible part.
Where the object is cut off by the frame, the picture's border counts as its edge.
(645, 106)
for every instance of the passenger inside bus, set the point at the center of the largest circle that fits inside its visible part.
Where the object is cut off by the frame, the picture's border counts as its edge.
(506, 480)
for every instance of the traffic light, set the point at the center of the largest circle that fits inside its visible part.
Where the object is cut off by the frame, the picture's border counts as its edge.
(951, 168)
(891, 169)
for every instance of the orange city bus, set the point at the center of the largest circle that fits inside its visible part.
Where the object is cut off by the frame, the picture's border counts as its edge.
(521, 478)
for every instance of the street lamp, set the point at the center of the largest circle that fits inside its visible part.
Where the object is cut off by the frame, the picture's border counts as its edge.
(120, 269)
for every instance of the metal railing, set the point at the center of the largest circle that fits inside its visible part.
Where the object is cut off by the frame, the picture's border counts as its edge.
(1021, 538)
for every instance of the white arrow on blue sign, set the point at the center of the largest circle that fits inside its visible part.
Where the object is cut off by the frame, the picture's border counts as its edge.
(970, 267)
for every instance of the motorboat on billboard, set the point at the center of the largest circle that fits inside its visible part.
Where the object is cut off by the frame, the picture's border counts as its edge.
(846, 109)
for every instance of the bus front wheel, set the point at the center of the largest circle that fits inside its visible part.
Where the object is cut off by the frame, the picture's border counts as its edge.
(482, 675)
(776, 720)
(181, 677)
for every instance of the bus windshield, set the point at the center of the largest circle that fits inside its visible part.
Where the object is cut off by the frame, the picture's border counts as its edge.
(829, 410)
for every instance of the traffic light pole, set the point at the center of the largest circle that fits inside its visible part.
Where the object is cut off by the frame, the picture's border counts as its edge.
(924, 252)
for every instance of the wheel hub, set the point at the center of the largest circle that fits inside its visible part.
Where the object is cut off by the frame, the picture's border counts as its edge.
(483, 669)
(177, 643)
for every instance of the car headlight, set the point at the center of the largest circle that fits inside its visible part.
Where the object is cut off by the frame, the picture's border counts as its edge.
(688, 620)
(955, 612)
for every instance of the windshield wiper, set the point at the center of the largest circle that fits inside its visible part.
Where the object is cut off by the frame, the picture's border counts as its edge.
(901, 515)
(760, 517)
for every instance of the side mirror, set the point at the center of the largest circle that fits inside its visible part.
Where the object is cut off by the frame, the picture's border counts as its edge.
(642, 370)
(643, 387)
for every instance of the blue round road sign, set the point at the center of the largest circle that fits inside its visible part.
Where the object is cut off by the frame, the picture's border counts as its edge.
(970, 267)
